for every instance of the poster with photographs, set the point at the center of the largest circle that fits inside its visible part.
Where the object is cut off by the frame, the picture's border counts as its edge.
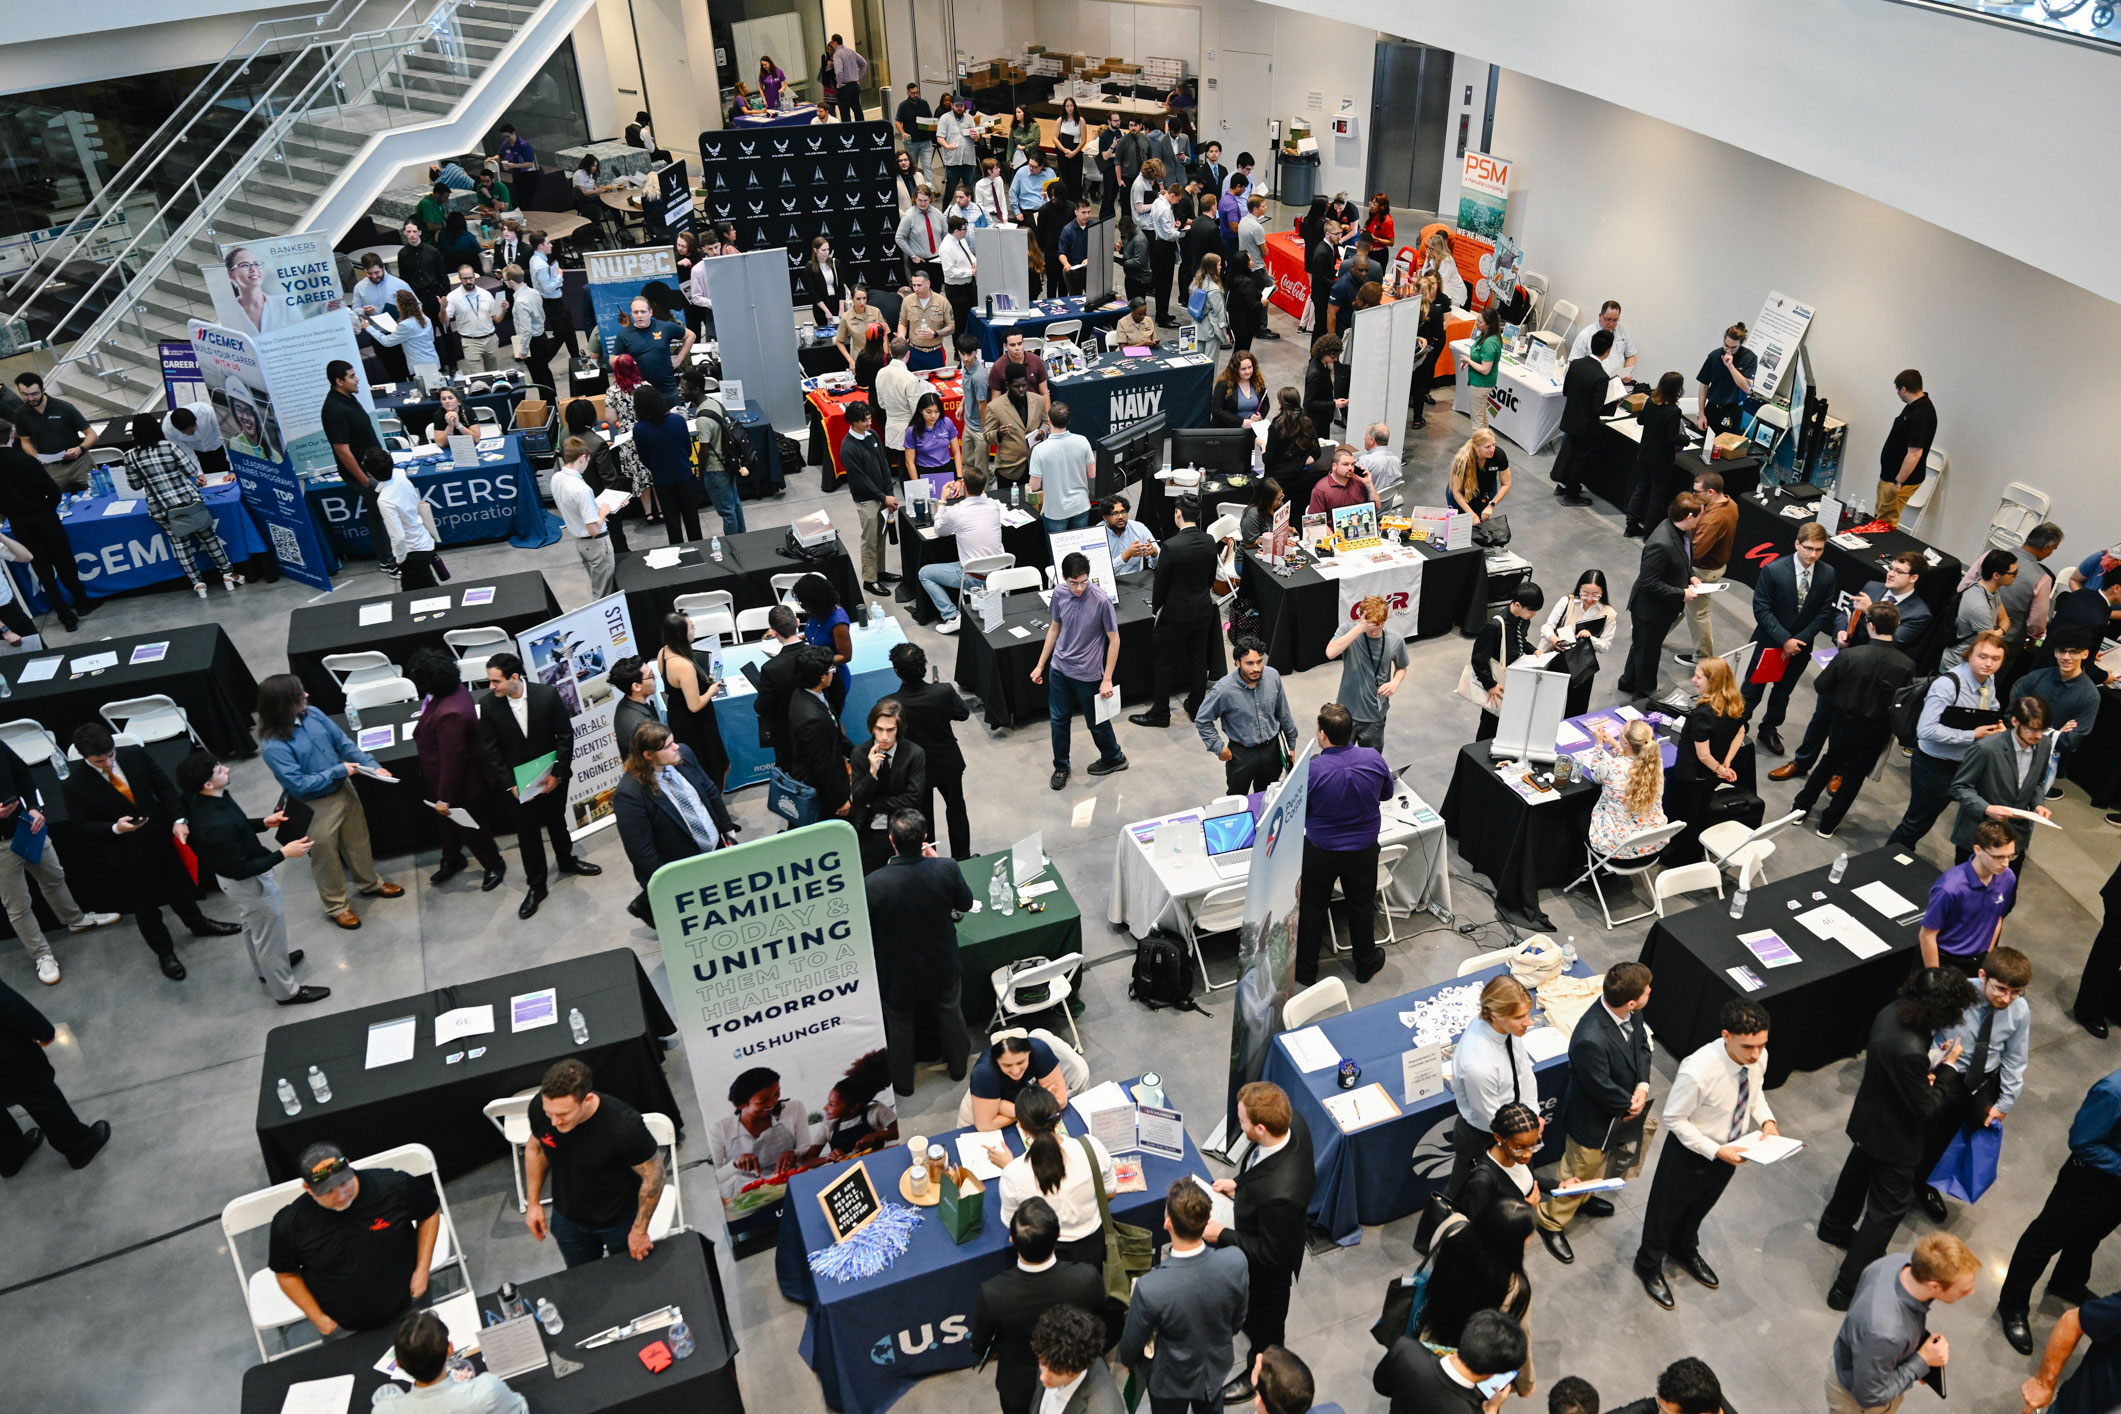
(573, 654)
(225, 369)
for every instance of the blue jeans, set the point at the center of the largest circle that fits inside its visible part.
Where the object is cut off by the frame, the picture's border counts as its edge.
(721, 490)
(1079, 521)
(942, 581)
(1064, 697)
(579, 1244)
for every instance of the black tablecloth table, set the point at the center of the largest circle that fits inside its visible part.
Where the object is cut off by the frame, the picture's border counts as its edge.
(399, 820)
(758, 558)
(590, 1298)
(426, 1100)
(996, 667)
(316, 631)
(418, 412)
(1299, 612)
(1609, 471)
(1822, 1006)
(1027, 542)
(200, 671)
(769, 477)
(651, 593)
(1521, 847)
(1765, 534)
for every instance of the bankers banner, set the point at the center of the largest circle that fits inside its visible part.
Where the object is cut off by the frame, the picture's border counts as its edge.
(773, 983)
(226, 362)
(1266, 949)
(573, 654)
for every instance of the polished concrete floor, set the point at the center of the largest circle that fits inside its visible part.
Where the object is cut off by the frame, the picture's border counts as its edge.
(116, 1291)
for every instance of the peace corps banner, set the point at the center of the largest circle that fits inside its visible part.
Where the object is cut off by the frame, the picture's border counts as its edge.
(773, 983)
(573, 654)
(1267, 940)
(226, 364)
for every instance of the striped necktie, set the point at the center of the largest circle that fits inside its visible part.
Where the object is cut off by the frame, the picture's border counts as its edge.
(1745, 1097)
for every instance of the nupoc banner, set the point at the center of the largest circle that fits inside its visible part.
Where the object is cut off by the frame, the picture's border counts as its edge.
(1483, 194)
(226, 363)
(616, 276)
(573, 654)
(773, 984)
(1266, 949)
(1774, 339)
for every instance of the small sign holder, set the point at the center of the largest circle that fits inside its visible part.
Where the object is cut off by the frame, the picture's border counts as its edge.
(850, 1202)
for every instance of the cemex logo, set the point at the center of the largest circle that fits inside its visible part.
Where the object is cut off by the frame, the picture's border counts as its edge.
(1764, 554)
(1398, 602)
(1134, 404)
(887, 1350)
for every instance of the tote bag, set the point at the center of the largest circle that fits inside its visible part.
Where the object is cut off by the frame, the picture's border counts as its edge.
(1129, 1250)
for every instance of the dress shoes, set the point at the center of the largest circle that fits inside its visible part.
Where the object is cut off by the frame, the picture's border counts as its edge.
(887, 577)
(1833, 783)
(1238, 1390)
(1771, 742)
(1839, 1296)
(1788, 771)
(215, 928)
(384, 891)
(1147, 719)
(305, 995)
(171, 968)
(1933, 1205)
(1364, 974)
(1595, 1207)
(1557, 1242)
(1577, 498)
(1699, 1270)
(69, 621)
(639, 909)
(34, 1139)
(1654, 1283)
(531, 901)
(449, 870)
(875, 589)
(578, 866)
(100, 1132)
(2095, 1025)
(346, 918)
(2016, 1330)
(491, 879)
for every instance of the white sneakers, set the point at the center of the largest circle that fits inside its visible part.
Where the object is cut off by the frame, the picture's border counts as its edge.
(951, 624)
(198, 587)
(48, 969)
(92, 920)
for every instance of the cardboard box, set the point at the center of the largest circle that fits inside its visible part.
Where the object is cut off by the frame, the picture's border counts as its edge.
(1729, 445)
(1635, 402)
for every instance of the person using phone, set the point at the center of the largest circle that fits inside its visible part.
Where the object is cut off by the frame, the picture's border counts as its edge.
(1477, 1375)
(226, 842)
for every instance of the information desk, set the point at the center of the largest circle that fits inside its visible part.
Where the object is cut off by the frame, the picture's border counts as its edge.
(746, 570)
(1300, 611)
(496, 500)
(736, 707)
(427, 1100)
(120, 550)
(196, 666)
(1032, 322)
(1365, 1178)
(1118, 390)
(1523, 406)
(996, 667)
(316, 631)
(1823, 1004)
(417, 412)
(590, 1298)
(828, 416)
(871, 1340)
(986, 940)
(920, 545)
(1160, 888)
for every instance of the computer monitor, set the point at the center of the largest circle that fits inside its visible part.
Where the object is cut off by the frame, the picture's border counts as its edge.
(1221, 451)
(1130, 454)
(1228, 834)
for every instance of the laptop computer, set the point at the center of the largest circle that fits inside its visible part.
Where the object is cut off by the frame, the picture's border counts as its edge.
(1229, 842)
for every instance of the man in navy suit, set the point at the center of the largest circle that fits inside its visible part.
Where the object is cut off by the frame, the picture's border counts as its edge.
(914, 900)
(1851, 629)
(1792, 605)
(1609, 1086)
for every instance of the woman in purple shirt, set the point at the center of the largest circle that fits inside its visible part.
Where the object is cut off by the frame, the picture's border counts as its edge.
(934, 441)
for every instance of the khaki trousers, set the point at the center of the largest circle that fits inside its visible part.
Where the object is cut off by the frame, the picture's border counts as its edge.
(340, 832)
(871, 516)
(1697, 615)
(50, 875)
(1578, 1165)
(1892, 499)
(1840, 1401)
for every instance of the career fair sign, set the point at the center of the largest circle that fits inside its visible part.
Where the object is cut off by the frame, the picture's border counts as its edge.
(1774, 339)
(227, 364)
(573, 654)
(773, 983)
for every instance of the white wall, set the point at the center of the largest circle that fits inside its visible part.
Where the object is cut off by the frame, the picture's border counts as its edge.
(2002, 135)
(154, 41)
(1610, 204)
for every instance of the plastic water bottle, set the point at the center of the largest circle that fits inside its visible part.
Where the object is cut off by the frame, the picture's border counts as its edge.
(319, 1086)
(288, 1099)
(59, 765)
(1841, 866)
(353, 715)
(5, 690)
(1738, 903)
(1568, 950)
(876, 615)
(714, 549)
(1001, 897)
(549, 1316)
(578, 1026)
(679, 1338)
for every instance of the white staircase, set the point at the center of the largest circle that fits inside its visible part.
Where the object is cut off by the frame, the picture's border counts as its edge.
(354, 95)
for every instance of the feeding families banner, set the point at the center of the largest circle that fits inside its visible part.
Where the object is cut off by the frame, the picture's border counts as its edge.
(573, 654)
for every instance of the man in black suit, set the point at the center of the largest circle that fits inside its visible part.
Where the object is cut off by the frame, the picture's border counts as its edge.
(1856, 698)
(1663, 587)
(777, 683)
(1896, 1103)
(29, 498)
(1852, 628)
(914, 900)
(26, 1080)
(817, 748)
(637, 702)
(889, 774)
(1011, 1302)
(1271, 1198)
(926, 710)
(1183, 597)
(1583, 397)
(518, 723)
(1609, 1086)
(122, 791)
(1792, 604)
(657, 825)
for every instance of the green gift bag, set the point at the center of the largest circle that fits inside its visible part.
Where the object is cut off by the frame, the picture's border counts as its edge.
(961, 1204)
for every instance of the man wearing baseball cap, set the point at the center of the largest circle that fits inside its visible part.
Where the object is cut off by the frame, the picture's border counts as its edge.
(353, 1251)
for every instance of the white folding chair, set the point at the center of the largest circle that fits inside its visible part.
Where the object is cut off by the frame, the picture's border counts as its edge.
(1068, 330)
(471, 672)
(346, 669)
(1234, 510)
(1220, 910)
(1935, 464)
(1741, 659)
(1481, 962)
(379, 694)
(1010, 989)
(1315, 1001)
(977, 569)
(388, 425)
(711, 611)
(783, 586)
(151, 718)
(1387, 861)
(73, 753)
(104, 456)
(1074, 1071)
(32, 742)
(1686, 879)
(1729, 845)
(1020, 577)
(1612, 863)
(669, 1214)
(511, 1116)
(1561, 321)
(487, 415)
(751, 623)
(465, 643)
(2020, 508)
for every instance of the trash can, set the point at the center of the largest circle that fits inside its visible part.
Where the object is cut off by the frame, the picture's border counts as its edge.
(1299, 179)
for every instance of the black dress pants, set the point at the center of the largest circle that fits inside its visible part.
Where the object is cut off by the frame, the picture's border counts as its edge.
(900, 1019)
(547, 812)
(1252, 768)
(39, 1096)
(1355, 870)
(1851, 750)
(2081, 1209)
(1568, 464)
(681, 519)
(1879, 1193)
(417, 570)
(1424, 380)
(1266, 1311)
(1163, 264)
(951, 785)
(559, 324)
(45, 535)
(1645, 648)
(1684, 1189)
(1181, 661)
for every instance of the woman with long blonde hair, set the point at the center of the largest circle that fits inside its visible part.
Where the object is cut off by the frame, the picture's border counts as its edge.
(1434, 306)
(1480, 475)
(1629, 770)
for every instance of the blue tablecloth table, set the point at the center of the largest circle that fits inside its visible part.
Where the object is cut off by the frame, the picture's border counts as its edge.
(1032, 322)
(115, 553)
(495, 500)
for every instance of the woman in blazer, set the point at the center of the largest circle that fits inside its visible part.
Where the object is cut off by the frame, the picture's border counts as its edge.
(1012, 417)
(652, 816)
(1211, 327)
(824, 288)
(454, 763)
(889, 774)
(1240, 393)
(1586, 615)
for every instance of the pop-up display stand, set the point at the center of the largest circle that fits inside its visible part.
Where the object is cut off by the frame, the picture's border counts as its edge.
(757, 338)
(1004, 256)
(1533, 699)
(1381, 367)
(1099, 260)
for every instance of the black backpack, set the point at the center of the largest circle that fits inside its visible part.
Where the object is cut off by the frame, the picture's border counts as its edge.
(1163, 975)
(735, 445)
(1906, 712)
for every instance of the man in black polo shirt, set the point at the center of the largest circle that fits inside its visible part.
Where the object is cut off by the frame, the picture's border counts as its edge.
(54, 431)
(352, 433)
(1903, 461)
(354, 1251)
(606, 1171)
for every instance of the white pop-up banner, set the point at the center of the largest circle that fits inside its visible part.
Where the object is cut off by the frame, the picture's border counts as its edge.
(573, 654)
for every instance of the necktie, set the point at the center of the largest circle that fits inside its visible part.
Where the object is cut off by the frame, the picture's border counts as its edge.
(1745, 1097)
(1509, 1051)
(1977, 1068)
(110, 774)
(1804, 584)
(929, 221)
(1984, 696)
(688, 806)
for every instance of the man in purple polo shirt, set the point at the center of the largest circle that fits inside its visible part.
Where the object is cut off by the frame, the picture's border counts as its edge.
(1341, 821)
(1969, 901)
(1082, 643)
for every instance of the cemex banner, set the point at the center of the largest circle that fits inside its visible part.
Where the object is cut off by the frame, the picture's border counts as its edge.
(227, 363)
(616, 276)
(1266, 948)
(773, 983)
(1483, 194)
(573, 654)
(786, 186)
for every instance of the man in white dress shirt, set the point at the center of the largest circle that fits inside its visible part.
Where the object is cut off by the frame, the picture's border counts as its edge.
(1619, 360)
(195, 428)
(577, 505)
(399, 501)
(1490, 1069)
(1718, 1098)
(471, 311)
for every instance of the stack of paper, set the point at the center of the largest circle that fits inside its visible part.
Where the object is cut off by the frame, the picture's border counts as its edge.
(972, 1154)
(1220, 1208)
(1830, 920)
(1310, 1049)
(1882, 897)
(1767, 1149)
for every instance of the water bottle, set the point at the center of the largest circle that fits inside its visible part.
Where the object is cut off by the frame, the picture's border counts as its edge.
(288, 1100)
(714, 549)
(1001, 897)
(578, 1026)
(353, 715)
(1841, 866)
(549, 1316)
(679, 1338)
(5, 690)
(876, 617)
(59, 764)
(319, 1086)
(1568, 950)
(1738, 903)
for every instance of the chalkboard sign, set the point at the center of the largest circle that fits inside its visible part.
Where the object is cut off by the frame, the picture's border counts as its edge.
(850, 1202)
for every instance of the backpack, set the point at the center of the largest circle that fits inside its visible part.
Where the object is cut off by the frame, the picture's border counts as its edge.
(1163, 976)
(732, 446)
(1906, 712)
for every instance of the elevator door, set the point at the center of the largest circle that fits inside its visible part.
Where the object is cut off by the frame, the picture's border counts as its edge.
(1409, 114)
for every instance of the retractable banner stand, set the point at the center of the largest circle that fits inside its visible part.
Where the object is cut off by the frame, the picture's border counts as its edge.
(673, 209)
(1267, 941)
(773, 983)
(1775, 338)
(1099, 278)
(1483, 194)
(1381, 367)
(1004, 256)
(754, 334)
(573, 654)
(227, 363)
(181, 384)
(614, 277)
(783, 187)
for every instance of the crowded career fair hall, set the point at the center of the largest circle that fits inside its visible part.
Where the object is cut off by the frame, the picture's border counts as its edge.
(1544, 909)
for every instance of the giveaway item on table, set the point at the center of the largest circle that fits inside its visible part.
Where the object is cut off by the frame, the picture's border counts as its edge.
(1439, 1019)
(871, 1250)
